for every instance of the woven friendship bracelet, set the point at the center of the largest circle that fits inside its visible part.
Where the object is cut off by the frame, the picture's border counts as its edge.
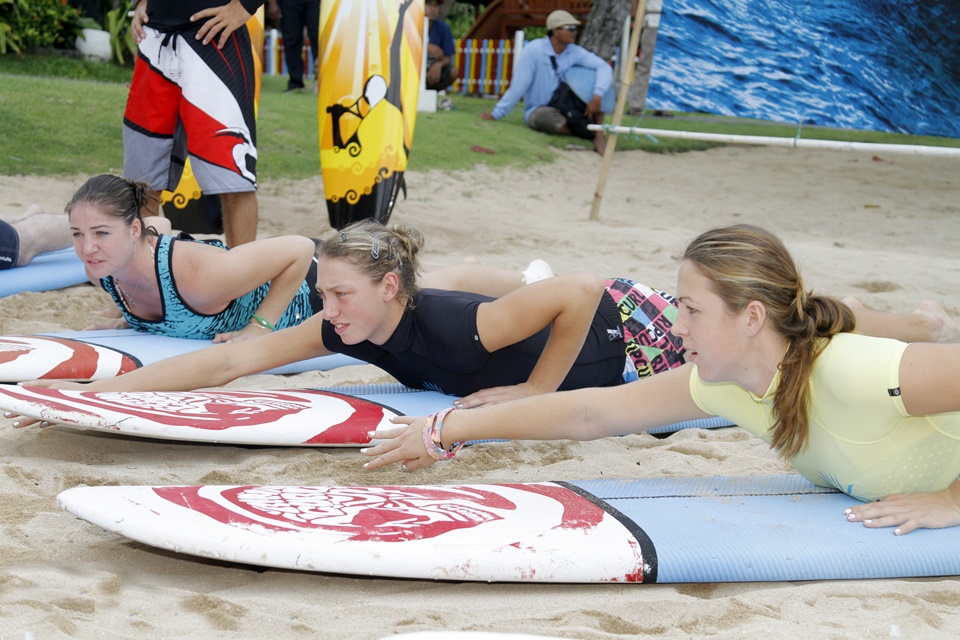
(431, 437)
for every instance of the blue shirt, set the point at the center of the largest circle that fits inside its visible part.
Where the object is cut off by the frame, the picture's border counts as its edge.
(534, 79)
(441, 36)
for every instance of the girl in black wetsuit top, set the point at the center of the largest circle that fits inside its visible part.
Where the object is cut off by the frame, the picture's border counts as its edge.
(564, 332)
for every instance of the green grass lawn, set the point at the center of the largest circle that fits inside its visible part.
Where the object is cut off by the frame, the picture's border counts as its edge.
(62, 116)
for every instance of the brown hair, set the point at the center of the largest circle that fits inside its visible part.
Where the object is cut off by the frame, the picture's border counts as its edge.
(115, 196)
(746, 263)
(377, 250)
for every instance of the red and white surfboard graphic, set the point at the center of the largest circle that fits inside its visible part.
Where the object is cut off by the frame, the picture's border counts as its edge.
(38, 357)
(302, 417)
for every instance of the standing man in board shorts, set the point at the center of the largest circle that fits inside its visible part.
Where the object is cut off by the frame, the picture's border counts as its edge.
(192, 95)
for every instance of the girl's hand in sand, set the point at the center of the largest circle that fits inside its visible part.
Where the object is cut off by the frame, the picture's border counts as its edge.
(403, 444)
(906, 512)
(496, 395)
(21, 421)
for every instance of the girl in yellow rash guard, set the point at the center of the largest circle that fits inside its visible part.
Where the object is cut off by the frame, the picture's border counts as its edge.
(873, 417)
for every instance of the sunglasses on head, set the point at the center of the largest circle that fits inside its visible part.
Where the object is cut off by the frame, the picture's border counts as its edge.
(569, 27)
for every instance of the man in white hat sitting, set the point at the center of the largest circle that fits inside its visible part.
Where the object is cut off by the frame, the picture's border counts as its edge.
(542, 66)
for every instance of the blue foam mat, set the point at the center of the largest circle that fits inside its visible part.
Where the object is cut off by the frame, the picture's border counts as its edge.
(767, 528)
(53, 270)
(404, 400)
(148, 348)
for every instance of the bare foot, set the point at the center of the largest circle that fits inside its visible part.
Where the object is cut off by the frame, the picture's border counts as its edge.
(29, 211)
(942, 327)
(42, 232)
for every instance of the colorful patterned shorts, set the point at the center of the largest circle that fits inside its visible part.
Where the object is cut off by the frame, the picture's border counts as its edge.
(647, 315)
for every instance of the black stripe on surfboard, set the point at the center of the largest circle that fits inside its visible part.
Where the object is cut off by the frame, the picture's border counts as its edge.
(647, 549)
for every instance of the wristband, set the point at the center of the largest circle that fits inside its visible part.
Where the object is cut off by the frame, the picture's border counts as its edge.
(266, 324)
(431, 437)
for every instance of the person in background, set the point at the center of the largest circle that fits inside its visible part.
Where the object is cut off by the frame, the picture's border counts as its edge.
(192, 96)
(542, 65)
(295, 16)
(440, 50)
(637, 94)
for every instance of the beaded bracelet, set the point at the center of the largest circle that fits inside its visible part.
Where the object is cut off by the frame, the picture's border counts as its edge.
(431, 437)
(266, 324)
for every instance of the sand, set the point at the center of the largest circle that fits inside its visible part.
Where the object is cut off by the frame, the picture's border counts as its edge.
(885, 229)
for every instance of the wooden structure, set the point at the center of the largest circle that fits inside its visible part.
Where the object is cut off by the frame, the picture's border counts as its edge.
(503, 17)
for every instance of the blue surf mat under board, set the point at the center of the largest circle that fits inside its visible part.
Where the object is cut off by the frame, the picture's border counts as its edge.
(147, 348)
(763, 528)
(53, 270)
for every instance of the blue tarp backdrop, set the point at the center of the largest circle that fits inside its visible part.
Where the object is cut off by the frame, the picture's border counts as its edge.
(856, 64)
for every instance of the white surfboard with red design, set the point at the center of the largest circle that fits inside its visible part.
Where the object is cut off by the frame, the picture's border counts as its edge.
(541, 532)
(301, 417)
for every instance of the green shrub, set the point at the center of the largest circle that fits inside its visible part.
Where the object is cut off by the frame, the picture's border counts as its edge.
(121, 34)
(31, 24)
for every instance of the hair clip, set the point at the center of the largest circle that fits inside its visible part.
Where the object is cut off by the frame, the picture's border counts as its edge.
(375, 247)
(343, 236)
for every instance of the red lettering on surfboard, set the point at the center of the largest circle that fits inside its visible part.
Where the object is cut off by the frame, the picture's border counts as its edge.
(80, 365)
(381, 514)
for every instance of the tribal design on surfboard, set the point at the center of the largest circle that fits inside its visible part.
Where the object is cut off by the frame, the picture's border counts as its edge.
(509, 532)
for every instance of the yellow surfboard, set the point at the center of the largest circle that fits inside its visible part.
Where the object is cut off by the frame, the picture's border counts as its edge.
(369, 83)
(188, 189)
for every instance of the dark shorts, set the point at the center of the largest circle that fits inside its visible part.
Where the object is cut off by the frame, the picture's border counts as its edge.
(647, 315)
(547, 119)
(9, 245)
(446, 77)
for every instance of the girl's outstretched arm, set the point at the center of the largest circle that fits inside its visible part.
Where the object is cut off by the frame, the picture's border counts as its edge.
(584, 414)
